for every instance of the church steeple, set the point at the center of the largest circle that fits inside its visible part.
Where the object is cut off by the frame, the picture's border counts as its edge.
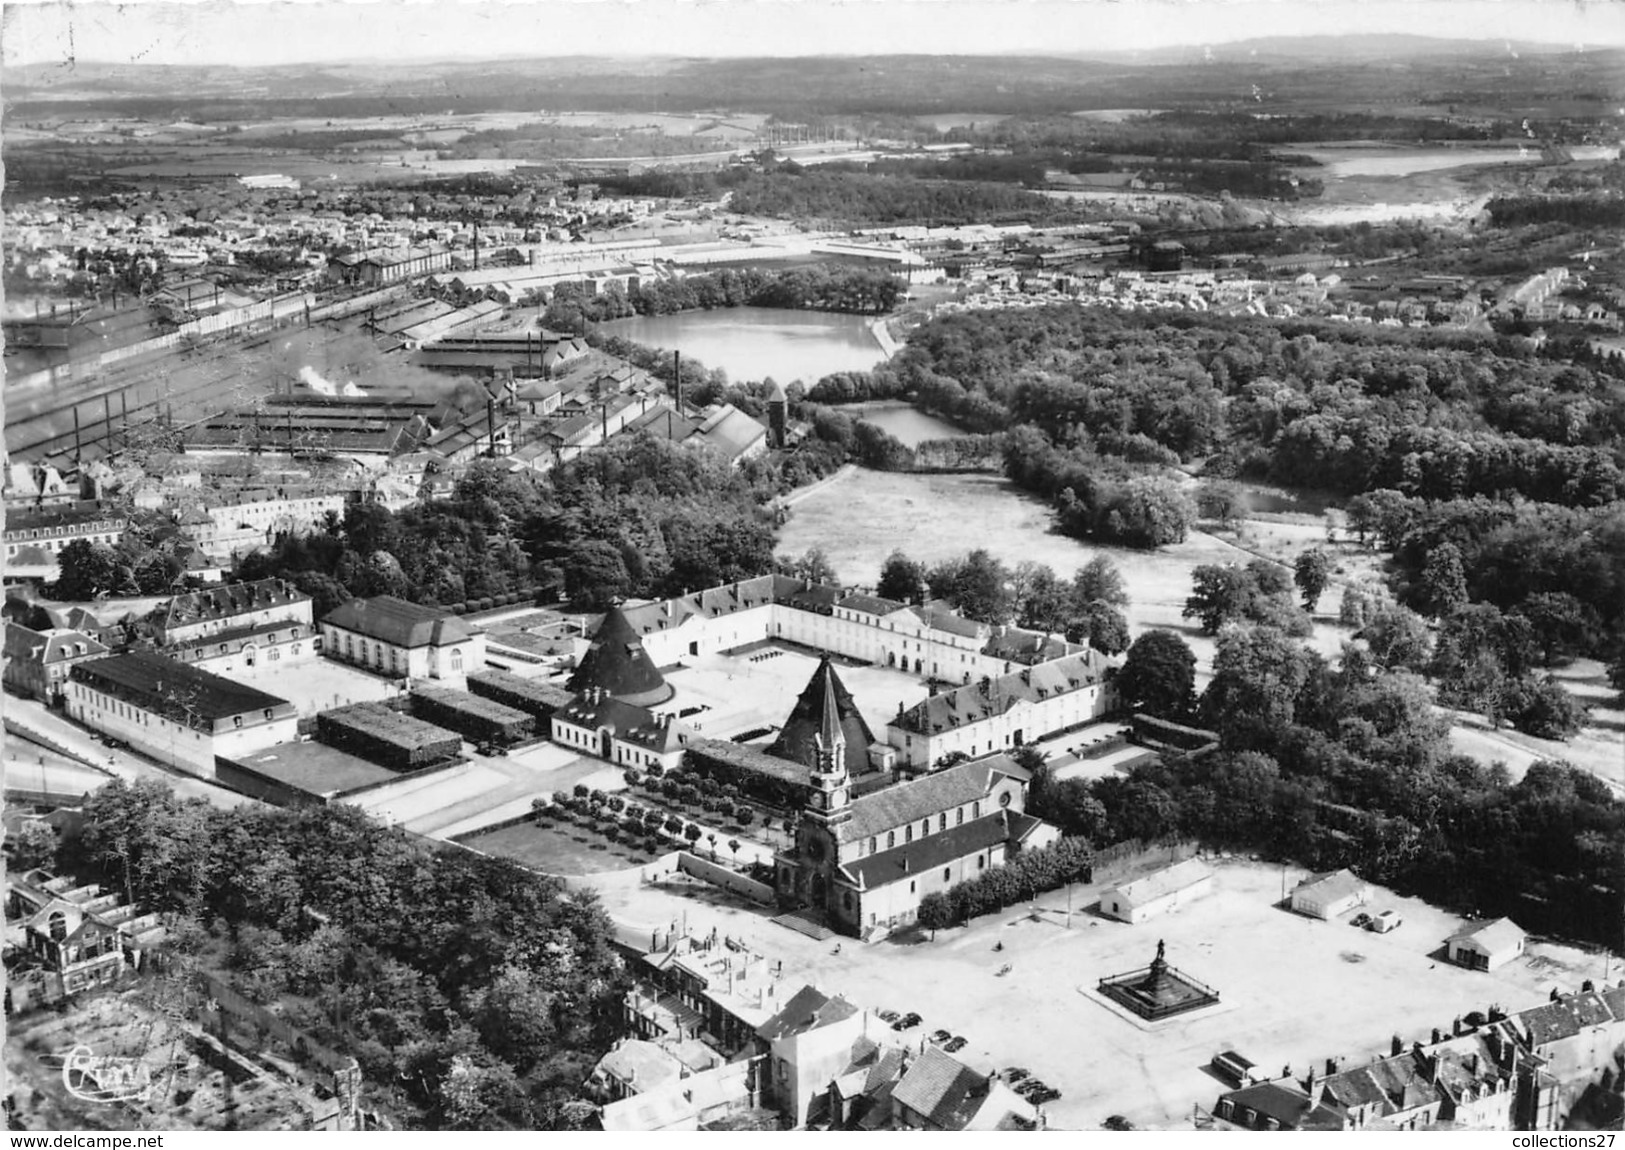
(830, 782)
(830, 742)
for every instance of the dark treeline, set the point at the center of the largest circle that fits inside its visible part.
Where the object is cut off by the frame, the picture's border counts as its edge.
(1346, 764)
(842, 193)
(817, 287)
(475, 994)
(1587, 211)
(638, 516)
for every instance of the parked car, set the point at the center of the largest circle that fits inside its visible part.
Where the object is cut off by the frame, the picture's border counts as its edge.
(939, 1037)
(889, 1016)
(1233, 1068)
(1385, 922)
(1016, 1073)
(955, 1045)
(1044, 1097)
(1030, 1087)
(1361, 919)
(907, 1022)
(1117, 1122)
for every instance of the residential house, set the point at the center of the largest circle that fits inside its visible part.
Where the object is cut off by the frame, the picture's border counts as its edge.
(938, 1092)
(38, 662)
(75, 937)
(809, 1041)
(1486, 945)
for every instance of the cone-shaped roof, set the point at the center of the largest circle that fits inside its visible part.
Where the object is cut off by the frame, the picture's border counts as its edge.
(824, 707)
(617, 664)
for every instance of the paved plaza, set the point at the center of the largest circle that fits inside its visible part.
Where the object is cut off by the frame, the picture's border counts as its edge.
(1292, 990)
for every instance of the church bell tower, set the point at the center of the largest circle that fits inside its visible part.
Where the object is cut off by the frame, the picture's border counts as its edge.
(831, 786)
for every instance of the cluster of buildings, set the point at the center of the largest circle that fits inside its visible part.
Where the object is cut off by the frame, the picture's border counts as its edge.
(1495, 1071)
(715, 1032)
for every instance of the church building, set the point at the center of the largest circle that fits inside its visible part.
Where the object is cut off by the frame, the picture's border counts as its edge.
(863, 864)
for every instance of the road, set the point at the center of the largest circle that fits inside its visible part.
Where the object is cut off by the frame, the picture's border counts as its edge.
(27, 719)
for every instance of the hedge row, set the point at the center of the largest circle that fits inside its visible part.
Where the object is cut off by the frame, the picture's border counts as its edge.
(1028, 873)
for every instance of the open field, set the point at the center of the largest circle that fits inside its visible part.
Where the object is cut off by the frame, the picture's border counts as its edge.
(861, 518)
(1343, 993)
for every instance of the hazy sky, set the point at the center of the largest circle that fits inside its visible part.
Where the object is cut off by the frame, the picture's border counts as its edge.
(165, 32)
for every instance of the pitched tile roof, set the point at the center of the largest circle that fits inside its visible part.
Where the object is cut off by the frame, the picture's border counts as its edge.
(808, 1009)
(928, 795)
(49, 647)
(1332, 884)
(1565, 1018)
(977, 701)
(942, 1089)
(1491, 936)
(158, 683)
(1287, 1104)
(399, 623)
(1166, 881)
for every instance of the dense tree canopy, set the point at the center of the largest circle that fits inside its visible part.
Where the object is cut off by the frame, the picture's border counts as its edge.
(473, 992)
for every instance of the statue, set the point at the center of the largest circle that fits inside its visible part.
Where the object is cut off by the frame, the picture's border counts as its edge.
(1161, 949)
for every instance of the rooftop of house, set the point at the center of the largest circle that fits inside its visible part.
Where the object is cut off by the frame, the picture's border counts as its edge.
(994, 696)
(159, 683)
(399, 623)
(231, 599)
(808, 1009)
(1331, 884)
(1388, 1086)
(1490, 936)
(1287, 1103)
(946, 1092)
(1166, 881)
(49, 647)
(61, 516)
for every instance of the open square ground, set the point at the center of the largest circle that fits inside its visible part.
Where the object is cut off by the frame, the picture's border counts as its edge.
(745, 691)
(316, 685)
(1292, 990)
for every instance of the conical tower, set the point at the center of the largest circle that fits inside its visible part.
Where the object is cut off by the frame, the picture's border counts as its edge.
(617, 664)
(825, 697)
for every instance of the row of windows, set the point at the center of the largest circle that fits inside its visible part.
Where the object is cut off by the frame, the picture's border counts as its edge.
(60, 544)
(925, 825)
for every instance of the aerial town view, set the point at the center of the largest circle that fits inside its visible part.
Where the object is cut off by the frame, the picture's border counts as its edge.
(751, 567)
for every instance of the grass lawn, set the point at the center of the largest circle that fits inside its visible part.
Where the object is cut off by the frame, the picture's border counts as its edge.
(559, 848)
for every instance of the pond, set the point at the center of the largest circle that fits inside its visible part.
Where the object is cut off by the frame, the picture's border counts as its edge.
(903, 421)
(753, 343)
